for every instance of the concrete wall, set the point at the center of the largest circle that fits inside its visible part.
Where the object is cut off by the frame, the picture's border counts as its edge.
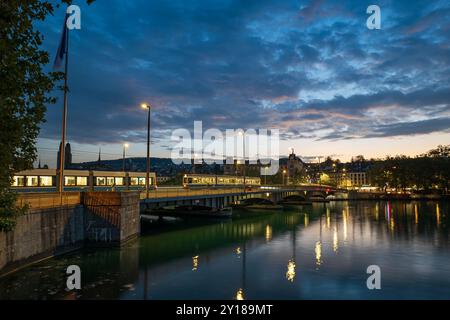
(130, 223)
(40, 234)
(53, 231)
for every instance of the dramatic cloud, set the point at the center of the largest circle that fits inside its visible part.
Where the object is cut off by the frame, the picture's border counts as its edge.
(310, 68)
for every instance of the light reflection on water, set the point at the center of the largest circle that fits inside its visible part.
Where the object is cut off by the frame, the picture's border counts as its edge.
(318, 252)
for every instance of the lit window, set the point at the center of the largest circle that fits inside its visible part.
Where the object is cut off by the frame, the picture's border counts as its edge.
(142, 181)
(101, 181)
(19, 181)
(32, 181)
(45, 181)
(81, 181)
(70, 181)
(110, 181)
(119, 181)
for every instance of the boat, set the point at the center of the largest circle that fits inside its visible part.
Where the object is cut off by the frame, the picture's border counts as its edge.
(295, 204)
(257, 204)
(156, 218)
(319, 199)
(192, 210)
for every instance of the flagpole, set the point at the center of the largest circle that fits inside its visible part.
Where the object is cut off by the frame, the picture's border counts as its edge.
(64, 121)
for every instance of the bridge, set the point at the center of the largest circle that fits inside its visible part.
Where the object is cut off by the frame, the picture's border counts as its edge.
(217, 197)
(208, 196)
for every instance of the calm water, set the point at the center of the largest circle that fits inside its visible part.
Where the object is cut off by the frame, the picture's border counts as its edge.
(319, 252)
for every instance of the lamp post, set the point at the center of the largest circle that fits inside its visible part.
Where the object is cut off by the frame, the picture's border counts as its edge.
(265, 176)
(242, 133)
(284, 174)
(125, 146)
(147, 177)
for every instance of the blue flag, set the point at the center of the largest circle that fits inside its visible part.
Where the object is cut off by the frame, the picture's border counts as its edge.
(62, 46)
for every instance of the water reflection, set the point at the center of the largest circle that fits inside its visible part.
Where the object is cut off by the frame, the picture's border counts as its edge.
(290, 273)
(240, 294)
(318, 251)
(194, 263)
(329, 245)
(268, 233)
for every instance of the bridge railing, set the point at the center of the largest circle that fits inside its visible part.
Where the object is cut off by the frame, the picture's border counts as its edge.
(43, 200)
(178, 192)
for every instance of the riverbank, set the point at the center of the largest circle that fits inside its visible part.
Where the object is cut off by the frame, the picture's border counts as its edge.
(101, 219)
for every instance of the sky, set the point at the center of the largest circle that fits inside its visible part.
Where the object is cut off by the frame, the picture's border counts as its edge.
(311, 69)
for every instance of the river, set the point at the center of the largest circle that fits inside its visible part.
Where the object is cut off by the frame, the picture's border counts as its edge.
(314, 252)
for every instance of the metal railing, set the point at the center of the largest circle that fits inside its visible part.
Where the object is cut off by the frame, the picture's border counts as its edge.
(179, 192)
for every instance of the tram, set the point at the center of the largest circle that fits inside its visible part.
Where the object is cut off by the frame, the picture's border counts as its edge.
(47, 180)
(197, 180)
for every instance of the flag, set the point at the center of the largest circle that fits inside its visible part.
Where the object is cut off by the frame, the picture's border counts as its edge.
(62, 47)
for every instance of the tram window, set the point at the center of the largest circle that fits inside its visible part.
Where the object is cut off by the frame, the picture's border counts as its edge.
(134, 181)
(19, 181)
(110, 181)
(189, 180)
(45, 181)
(70, 181)
(101, 181)
(142, 181)
(32, 181)
(150, 181)
(119, 181)
(81, 181)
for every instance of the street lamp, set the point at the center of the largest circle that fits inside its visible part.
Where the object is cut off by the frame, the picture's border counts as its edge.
(242, 133)
(147, 177)
(284, 174)
(125, 146)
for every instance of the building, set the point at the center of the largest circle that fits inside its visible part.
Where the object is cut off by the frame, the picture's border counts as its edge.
(295, 165)
(237, 168)
(355, 179)
(358, 179)
(67, 156)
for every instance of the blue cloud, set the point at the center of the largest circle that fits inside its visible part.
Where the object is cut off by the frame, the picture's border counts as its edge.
(302, 66)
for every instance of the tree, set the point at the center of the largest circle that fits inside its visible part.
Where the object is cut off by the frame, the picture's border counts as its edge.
(24, 93)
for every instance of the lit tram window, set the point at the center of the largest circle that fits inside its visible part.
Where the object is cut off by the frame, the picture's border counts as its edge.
(100, 181)
(19, 181)
(32, 181)
(137, 181)
(110, 181)
(70, 181)
(119, 181)
(82, 181)
(45, 181)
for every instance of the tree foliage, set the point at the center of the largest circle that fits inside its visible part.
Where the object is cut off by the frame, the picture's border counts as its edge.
(24, 89)
(425, 172)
